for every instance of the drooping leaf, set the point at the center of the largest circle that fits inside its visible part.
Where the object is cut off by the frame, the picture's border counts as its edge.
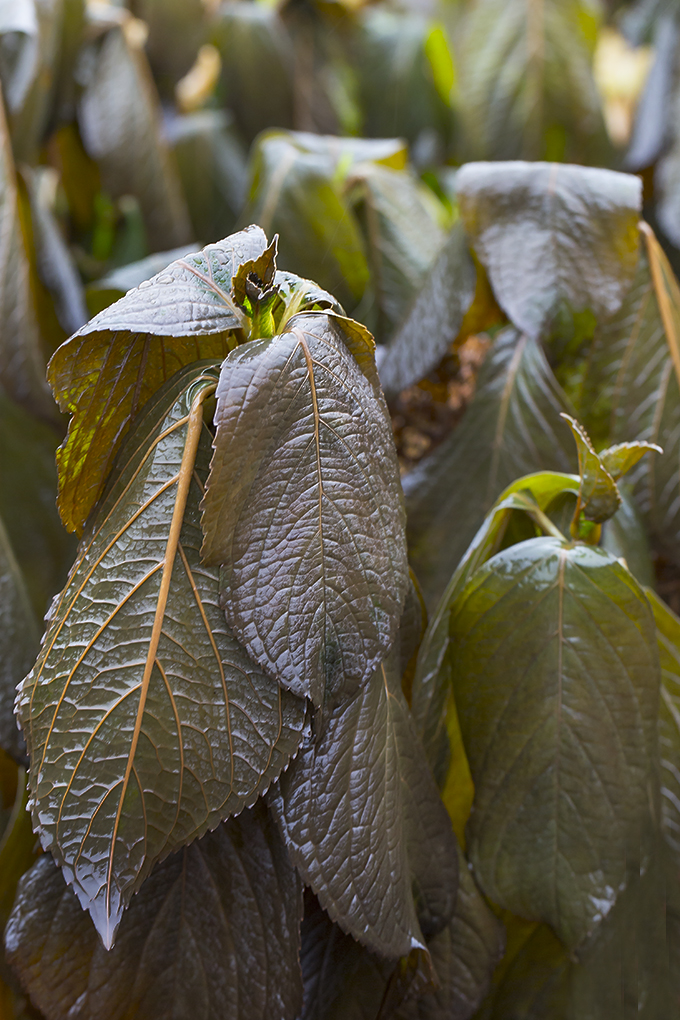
(298, 424)
(120, 122)
(106, 372)
(364, 825)
(511, 428)
(213, 933)
(434, 317)
(556, 678)
(526, 82)
(19, 641)
(176, 30)
(145, 720)
(582, 224)
(115, 285)
(653, 120)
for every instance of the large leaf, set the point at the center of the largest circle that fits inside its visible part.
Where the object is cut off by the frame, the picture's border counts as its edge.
(512, 427)
(557, 241)
(668, 634)
(120, 121)
(434, 317)
(106, 372)
(115, 285)
(145, 720)
(364, 824)
(556, 678)
(18, 642)
(304, 458)
(527, 88)
(213, 933)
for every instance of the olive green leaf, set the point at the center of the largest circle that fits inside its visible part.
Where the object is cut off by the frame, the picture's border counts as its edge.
(434, 318)
(213, 933)
(298, 423)
(108, 370)
(120, 122)
(512, 427)
(526, 82)
(556, 677)
(583, 225)
(625, 537)
(599, 497)
(364, 824)
(145, 720)
(176, 30)
(19, 640)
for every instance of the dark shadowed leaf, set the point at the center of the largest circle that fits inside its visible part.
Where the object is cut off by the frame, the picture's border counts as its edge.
(120, 121)
(527, 88)
(213, 933)
(145, 720)
(19, 640)
(106, 372)
(668, 635)
(434, 317)
(512, 427)
(18, 847)
(652, 118)
(364, 824)
(555, 240)
(176, 30)
(299, 425)
(625, 536)
(556, 677)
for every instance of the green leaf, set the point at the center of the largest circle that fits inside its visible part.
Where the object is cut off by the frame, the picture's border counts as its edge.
(598, 497)
(213, 933)
(556, 679)
(582, 225)
(526, 83)
(511, 427)
(108, 370)
(625, 537)
(19, 641)
(145, 720)
(120, 123)
(434, 318)
(364, 824)
(298, 424)
(176, 30)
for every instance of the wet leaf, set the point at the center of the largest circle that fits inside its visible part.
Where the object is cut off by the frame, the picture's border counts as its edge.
(213, 932)
(555, 240)
(115, 285)
(433, 319)
(145, 720)
(19, 641)
(120, 123)
(106, 372)
(599, 498)
(512, 427)
(298, 424)
(363, 822)
(556, 675)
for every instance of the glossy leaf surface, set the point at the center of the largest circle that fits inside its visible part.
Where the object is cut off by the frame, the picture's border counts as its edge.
(512, 427)
(364, 824)
(18, 642)
(304, 459)
(146, 722)
(599, 497)
(213, 933)
(556, 677)
(554, 240)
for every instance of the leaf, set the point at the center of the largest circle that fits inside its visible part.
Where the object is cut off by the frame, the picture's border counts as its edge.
(653, 115)
(145, 720)
(434, 317)
(213, 932)
(526, 82)
(18, 643)
(115, 285)
(294, 191)
(108, 370)
(176, 30)
(510, 428)
(364, 825)
(625, 537)
(120, 122)
(598, 498)
(298, 424)
(17, 848)
(555, 673)
(584, 237)
(619, 459)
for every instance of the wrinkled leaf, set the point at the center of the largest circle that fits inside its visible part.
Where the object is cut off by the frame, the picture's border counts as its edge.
(145, 720)
(299, 425)
(512, 427)
(120, 122)
(363, 822)
(556, 678)
(213, 933)
(555, 240)
(18, 642)
(434, 317)
(115, 285)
